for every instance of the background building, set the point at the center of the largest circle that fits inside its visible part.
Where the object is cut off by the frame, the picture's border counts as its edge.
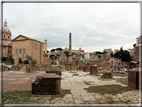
(22, 46)
(7, 41)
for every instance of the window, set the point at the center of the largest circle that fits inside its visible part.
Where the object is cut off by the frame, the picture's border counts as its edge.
(3, 51)
(8, 36)
(4, 36)
(16, 51)
(35, 46)
(8, 51)
(24, 50)
(20, 51)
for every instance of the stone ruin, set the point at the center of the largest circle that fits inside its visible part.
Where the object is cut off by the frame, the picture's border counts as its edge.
(47, 84)
(54, 68)
(107, 75)
(93, 69)
(133, 78)
(70, 65)
(31, 69)
(87, 67)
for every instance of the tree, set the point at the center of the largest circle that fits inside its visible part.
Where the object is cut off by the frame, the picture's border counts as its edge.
(20, 61)
(59, 49)
(31, 60)
(124, 55)
(28, 57)
(112, 55)
(11, 60)
(53, 50)
(67, 53)
(98, 52)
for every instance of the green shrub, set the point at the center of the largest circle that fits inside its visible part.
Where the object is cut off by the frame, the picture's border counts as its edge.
(20, 60)
(26, 62)
(11, 60)
(4, 58)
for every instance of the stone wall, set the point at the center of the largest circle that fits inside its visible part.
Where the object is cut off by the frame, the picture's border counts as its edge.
(4, 68)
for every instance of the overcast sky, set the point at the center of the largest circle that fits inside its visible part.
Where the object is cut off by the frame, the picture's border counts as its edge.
(94, 26)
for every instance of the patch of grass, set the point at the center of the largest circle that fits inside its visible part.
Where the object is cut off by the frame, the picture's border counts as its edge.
(16, 97)
(87, 83)
(108, 89)
(119, 74)
(26, 97)
(117, 102)
(75, 74)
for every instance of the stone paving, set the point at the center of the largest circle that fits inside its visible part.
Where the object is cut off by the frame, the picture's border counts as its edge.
(76, 84)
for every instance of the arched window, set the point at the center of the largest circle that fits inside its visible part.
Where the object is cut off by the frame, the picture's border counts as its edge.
(4, 36)
(8, 36)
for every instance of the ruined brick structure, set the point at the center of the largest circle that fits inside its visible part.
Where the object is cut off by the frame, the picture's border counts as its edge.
(4, 68)
(87, 68)
(81, 67)
(93, 70)
(133, 78)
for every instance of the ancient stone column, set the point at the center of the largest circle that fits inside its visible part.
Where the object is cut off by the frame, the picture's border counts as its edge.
(69, 42)
(45, 46)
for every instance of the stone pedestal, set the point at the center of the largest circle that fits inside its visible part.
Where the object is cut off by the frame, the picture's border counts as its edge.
(93, 70)
(54, 69)
(47, 84)
(133, 78)
(81, 67)
(44, 65)
(87, 68)
(70, 66)
(107, 75)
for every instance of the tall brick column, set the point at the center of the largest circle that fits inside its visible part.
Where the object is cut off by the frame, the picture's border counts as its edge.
(70, 65)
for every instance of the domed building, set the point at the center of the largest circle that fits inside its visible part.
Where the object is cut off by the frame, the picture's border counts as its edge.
(7, 41)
